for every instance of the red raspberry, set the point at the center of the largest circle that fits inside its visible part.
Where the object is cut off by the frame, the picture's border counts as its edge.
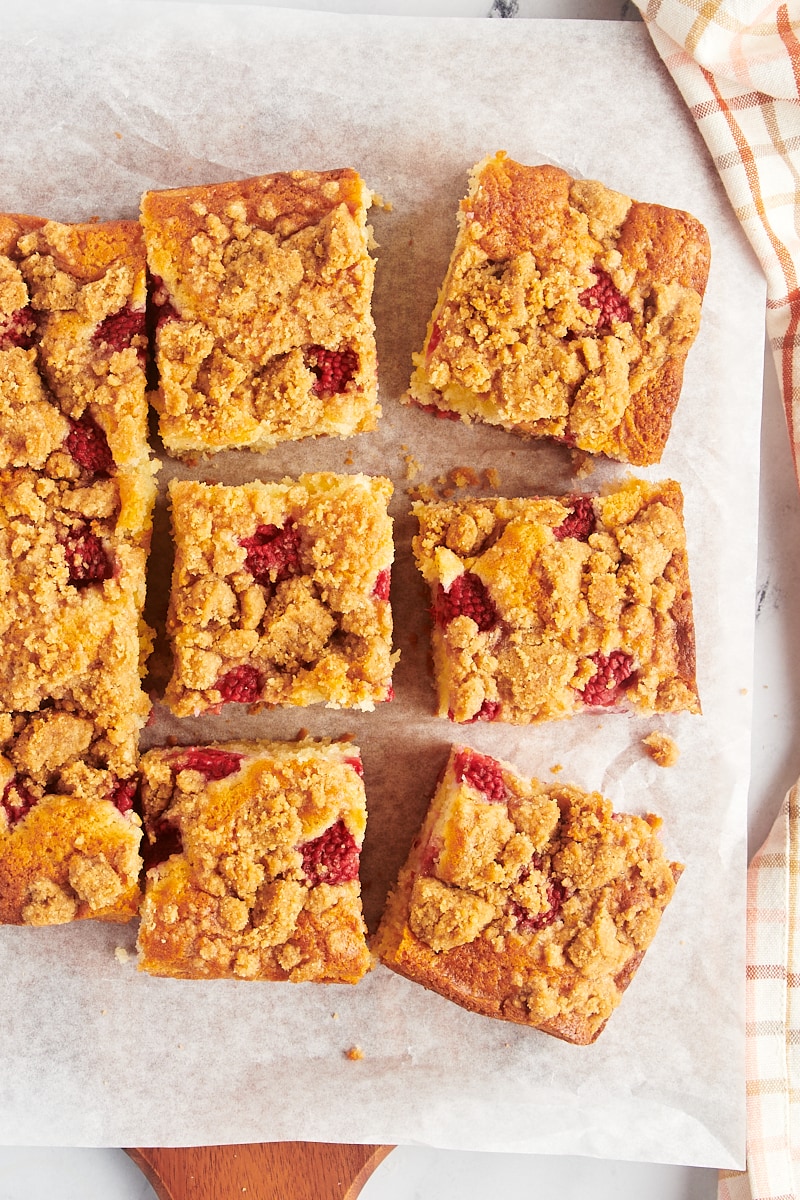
(332, 857)
(488, 711)
(120, 328)
(334, 369)
(273, 552)
(484, 773)
(162, 841)
(159, 310)
(580, 523)
(18, 329)
(212, 763)
(16, 800)
(604, 296)
(429, 860)
(123, 793)
(88, 445)
(160, 305)
(532, 922)
(434, 339)
(605, 688)
(382, 584)
(242, 685)
(357, 765)
(87, 560)
(466, 597)
(446, 414)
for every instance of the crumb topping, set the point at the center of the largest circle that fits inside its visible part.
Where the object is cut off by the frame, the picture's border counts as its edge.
(265, 883)
(270, 335)
(567, 311)
(280, 593)
(544, 606)
(535, 907)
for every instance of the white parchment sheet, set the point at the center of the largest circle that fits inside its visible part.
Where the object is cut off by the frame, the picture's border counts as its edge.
(100, 102)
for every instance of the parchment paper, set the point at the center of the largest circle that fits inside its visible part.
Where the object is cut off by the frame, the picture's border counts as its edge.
(101, 101)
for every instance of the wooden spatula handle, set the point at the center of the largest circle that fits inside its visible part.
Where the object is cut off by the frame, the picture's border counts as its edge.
(263, 1171)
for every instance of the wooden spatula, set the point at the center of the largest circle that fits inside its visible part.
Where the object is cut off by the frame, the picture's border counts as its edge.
(264, 1171)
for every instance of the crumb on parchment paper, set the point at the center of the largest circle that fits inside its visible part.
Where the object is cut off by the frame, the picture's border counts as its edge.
(412, 466)
(662, 749)
(456, 479)
(121, 954)
(354, 1053)
(583, 464)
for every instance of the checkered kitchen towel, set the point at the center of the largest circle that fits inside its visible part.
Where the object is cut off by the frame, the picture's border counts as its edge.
(737, 64)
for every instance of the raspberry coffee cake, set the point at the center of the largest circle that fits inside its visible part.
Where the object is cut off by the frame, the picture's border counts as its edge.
(280, 593)
(554, 605)
(73, 346)
(567, 311)
(253, 862)
(72, 588)
(528, 902)
(262, 295)
(69, 838)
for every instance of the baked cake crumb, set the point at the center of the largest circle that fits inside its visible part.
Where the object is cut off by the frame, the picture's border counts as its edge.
(413, 466)
(253, 862)
(553, 605)
(263, 330)
(662, 749)
(280, 593)
(567, 311)
(355, 1053)
(422, 491)
(583, 465)
(529, 902)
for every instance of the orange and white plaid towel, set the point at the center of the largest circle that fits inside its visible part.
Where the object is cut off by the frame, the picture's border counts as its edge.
(773, 1017)
(737, 64)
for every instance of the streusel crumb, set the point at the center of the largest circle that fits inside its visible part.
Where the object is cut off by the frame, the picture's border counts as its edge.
(662, 749)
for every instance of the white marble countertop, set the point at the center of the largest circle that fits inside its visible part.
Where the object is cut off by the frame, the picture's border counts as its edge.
(28, 1173)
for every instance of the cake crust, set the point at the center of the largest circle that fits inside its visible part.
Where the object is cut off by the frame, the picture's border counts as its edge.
(567, 311)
